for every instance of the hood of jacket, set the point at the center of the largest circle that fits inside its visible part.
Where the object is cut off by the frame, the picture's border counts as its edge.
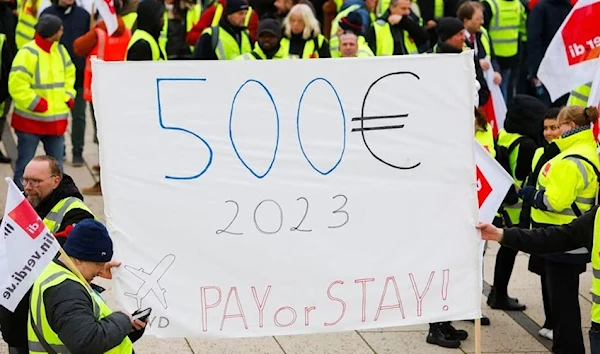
(150, 14)
(525, 116)
(66, 188)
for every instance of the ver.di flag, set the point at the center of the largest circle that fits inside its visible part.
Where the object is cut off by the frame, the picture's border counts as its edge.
(27, 244)
(492, 183)
(495, 108)
(571, 57)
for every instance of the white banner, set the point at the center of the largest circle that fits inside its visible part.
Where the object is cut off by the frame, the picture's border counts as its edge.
(28, 247)
(259, 198)
(571, 57)
(492, 183)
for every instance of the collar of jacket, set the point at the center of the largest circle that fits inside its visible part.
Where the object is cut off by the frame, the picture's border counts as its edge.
(581, 137)
(43, 43)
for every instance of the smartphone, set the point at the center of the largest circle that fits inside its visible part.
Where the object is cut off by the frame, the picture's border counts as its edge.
(142, 315)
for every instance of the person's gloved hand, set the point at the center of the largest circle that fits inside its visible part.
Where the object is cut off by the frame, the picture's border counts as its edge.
(42, 106)
(527, 193)
(70, 103)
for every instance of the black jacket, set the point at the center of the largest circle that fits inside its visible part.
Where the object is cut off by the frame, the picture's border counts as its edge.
(297, 44)
(70, 313)
(149, 18)
(408, 24)
(542, 24)
(76, 23)
(554, 239)
(204, 49)
(484, 92)
(14, 325)
(7, 27)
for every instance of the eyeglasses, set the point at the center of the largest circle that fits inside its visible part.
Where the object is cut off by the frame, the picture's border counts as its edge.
(33, 181)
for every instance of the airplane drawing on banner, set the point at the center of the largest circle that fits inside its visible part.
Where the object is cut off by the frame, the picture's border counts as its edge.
(151, 281)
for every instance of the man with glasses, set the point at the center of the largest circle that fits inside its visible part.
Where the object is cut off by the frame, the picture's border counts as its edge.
(56, 199)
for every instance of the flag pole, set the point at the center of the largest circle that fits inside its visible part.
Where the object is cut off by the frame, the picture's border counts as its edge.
(478, 336)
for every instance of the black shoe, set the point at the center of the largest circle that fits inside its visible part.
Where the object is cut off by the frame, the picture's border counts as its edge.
(4, 158)
(77, 159)
(454, 333)
(505, 303)
(485, 321)
(493, 295)
(438, 336)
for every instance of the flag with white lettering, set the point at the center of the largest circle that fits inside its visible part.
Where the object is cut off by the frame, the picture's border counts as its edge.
(28, 246)
(571, 57)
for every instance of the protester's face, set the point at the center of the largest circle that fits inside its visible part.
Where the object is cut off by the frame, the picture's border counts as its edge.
(89, 270)
(565, 126)
(283, 6)
(267, 41)
(457, 41)
(371, 5)
(238, 18)
(38, 182)
(66, 3)
(296, 23)
(551, 130)
(348, 45)
(401, 8)
(474, 24)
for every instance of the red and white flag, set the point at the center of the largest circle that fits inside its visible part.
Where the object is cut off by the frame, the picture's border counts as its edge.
(107, 11)
(492, 183)
(26, 247)
(495, 108)
(571, 58)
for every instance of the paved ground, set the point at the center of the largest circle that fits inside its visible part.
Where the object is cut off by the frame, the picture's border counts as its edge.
(508, 333)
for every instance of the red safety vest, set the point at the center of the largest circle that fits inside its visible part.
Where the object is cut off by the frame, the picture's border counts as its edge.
(108, 48)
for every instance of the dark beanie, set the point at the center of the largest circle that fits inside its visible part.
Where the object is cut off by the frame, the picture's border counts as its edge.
(89, 241)
(448, 27)
(48, 25)
(352, 22)
(234, 6)
(269, 25)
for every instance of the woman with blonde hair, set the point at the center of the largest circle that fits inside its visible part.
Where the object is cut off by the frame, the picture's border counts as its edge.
(302, 34)
(566, 188)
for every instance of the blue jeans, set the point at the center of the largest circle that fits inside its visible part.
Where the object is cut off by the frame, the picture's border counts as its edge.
(78, 122)
(595, 340)
(54, 145)
(506, 84)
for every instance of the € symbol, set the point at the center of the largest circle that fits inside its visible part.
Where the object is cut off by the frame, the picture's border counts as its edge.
(364, 118)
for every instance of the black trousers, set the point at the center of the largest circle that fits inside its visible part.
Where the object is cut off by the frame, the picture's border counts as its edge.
(563, 288)
(546, 300)
(505, 262)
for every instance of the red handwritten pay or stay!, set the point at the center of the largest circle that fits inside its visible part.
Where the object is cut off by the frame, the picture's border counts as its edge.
(24, 215)
(211, 298)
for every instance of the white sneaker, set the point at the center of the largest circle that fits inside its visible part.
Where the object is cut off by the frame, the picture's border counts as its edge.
(546, 333)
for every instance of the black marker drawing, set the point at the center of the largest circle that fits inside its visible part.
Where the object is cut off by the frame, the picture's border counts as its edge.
(151, 281)
(385, 118)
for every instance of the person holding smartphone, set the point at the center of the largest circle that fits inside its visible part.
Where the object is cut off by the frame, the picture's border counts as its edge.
(68, 315)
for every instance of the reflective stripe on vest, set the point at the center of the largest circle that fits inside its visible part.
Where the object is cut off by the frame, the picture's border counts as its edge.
(54, 275)
(579, 96)
(25, 30)
(227, 48)
(154, 47)
(54, 218)
(596, 270)
(384, 40)
(504, 26)
(219, 13)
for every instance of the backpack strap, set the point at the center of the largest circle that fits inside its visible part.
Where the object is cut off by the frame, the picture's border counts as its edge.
(255, 55)
(574, 206)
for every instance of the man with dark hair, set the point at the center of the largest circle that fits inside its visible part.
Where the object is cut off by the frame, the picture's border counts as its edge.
(58, 202)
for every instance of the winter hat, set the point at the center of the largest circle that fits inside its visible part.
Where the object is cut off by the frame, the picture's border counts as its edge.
(525, 116)
(352, 22)
(234, 6)
(89, 241)
(48, 25)
(269, 25)
(448, 27)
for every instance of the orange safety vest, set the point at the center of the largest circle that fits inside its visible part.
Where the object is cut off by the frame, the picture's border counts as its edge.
(108, 48)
